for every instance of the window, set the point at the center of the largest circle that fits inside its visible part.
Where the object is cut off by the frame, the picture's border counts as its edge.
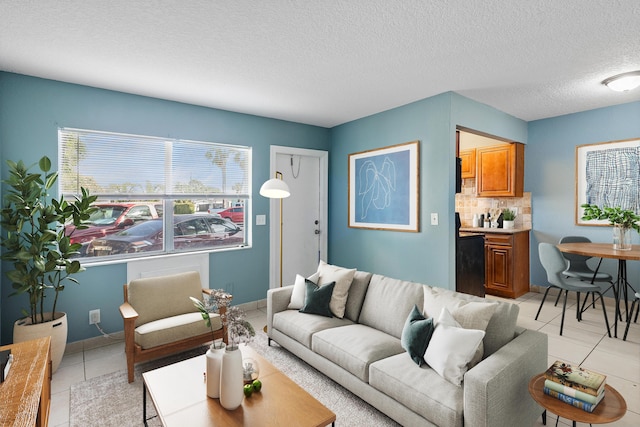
(156, 195)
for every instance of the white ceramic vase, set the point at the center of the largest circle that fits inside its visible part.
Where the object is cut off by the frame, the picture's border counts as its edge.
(214, 363)
(24, 330)
(231, 382)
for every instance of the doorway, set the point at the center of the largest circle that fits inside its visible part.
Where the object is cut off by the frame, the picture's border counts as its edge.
(304, 213)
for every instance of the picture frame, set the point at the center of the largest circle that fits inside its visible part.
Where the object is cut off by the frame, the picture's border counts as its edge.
(607, 174)
(384, 188)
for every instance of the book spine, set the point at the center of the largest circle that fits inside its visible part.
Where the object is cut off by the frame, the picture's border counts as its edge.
(588, 407)
(585, 397)
(576, 386)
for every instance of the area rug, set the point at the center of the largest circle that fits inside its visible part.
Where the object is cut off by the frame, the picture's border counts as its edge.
(109, 400)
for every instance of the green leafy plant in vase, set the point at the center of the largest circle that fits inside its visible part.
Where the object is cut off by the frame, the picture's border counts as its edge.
(622, 220)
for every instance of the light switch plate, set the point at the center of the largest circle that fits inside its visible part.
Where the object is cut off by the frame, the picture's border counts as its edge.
(434, 218)
(261, 219)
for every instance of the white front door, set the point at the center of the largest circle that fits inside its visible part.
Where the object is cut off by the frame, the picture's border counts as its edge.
(304, 213)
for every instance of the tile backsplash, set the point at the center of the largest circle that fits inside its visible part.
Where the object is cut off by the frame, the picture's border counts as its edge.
(468, 203)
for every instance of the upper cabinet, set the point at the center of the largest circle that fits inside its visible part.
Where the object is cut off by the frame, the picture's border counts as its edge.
(468, 158)
(499, 170)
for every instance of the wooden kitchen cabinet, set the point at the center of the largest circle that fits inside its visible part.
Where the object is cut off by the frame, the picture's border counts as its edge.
(468, 158)
(500, 170)
(507, 264)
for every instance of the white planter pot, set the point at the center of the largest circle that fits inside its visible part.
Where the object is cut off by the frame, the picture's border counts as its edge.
(214, 363)
(507, 224)
(231, 383)
(24, 330)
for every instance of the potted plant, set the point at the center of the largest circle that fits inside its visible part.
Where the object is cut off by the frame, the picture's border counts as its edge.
(622, 220)
(39, 250)
(508, 218)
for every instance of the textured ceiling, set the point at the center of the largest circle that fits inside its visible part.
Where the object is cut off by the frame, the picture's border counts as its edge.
(332, 61)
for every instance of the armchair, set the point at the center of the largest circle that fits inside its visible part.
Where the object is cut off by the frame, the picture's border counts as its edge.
(160, 319)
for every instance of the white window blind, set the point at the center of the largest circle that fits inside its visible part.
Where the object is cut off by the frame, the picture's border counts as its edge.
(134, 166)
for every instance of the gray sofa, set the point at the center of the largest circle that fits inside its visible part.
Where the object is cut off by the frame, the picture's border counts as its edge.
(363, 353)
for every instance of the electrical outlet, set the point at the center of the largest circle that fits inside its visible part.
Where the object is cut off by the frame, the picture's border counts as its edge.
(94, 316)
(434, 219)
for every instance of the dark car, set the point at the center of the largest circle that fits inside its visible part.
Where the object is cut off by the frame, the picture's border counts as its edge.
(111, 218)
(190, 231)
(235, 214)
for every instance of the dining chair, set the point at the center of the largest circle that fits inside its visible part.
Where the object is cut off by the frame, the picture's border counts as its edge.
(555, 265)
(579, 269)
(633, 305)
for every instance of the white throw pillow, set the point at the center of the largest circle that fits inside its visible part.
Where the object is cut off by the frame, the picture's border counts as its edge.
(343, 278)
(299, 291)
(451, 348)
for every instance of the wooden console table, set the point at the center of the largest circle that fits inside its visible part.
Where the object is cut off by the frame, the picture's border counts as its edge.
(25, 396)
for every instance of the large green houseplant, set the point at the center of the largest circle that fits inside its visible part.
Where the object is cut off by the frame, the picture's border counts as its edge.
(34, 239)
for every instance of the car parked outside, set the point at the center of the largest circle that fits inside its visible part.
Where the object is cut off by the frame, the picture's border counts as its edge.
(113, 217)
(235, 214)
(191, 231)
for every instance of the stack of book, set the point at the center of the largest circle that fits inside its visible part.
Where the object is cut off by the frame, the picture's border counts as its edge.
(574, 385)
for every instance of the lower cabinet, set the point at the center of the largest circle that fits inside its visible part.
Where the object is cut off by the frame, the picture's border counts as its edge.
(507, 264)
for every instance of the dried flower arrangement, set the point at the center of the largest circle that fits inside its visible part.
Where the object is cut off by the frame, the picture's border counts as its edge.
(239, 329)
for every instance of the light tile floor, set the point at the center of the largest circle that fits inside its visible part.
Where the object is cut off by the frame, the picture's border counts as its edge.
(585, 343)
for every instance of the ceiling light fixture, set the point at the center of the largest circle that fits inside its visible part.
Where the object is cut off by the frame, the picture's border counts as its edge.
(623, 82)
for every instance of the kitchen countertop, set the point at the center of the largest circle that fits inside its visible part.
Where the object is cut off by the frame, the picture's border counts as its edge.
(482, 230)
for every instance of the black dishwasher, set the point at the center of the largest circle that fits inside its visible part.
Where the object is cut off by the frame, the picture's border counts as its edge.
(469, 262)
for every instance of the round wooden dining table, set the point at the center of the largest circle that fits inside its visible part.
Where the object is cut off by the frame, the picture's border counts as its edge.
(605, 250)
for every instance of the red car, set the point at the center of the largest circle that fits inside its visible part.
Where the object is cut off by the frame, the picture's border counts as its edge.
(235, 214)
(113, 217)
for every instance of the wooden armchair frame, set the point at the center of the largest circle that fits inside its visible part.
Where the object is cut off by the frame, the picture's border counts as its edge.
(136, 354)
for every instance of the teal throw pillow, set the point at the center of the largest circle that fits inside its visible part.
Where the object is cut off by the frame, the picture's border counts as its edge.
(416, 335)
(318, 298)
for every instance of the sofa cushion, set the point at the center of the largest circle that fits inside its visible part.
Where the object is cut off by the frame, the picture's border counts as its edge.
(502, 324)
(318, 298)
(343, 278)
(299, 291)
(175, 328)
(420, 389)
(357, 292)
(388, 303)
(301, 326)
(355, 347)
(159, 297)
(416, 335)
(452, 348)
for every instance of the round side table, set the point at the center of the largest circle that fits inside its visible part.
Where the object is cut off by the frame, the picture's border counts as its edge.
(610, 409)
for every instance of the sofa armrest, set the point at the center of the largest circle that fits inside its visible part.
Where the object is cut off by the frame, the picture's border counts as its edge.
(496, 390)
(277, 300)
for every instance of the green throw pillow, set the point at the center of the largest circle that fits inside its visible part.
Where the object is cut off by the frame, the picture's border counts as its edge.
(416, 335)
(318, 298)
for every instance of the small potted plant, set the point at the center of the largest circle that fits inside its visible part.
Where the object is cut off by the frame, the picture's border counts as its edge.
(508, 218)
(623, 220)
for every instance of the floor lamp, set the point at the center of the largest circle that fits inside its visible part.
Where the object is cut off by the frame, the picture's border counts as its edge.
(276, 188)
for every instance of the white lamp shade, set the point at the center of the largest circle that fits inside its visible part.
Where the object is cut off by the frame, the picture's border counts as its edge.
(623, 82)
(275, 189)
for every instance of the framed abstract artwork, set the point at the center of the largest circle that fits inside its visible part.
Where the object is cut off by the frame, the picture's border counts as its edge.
(384, 188)
(607, 174)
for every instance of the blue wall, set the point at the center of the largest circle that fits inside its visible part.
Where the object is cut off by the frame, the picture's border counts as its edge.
(32, 109)
(550, 176)
(424, 257)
